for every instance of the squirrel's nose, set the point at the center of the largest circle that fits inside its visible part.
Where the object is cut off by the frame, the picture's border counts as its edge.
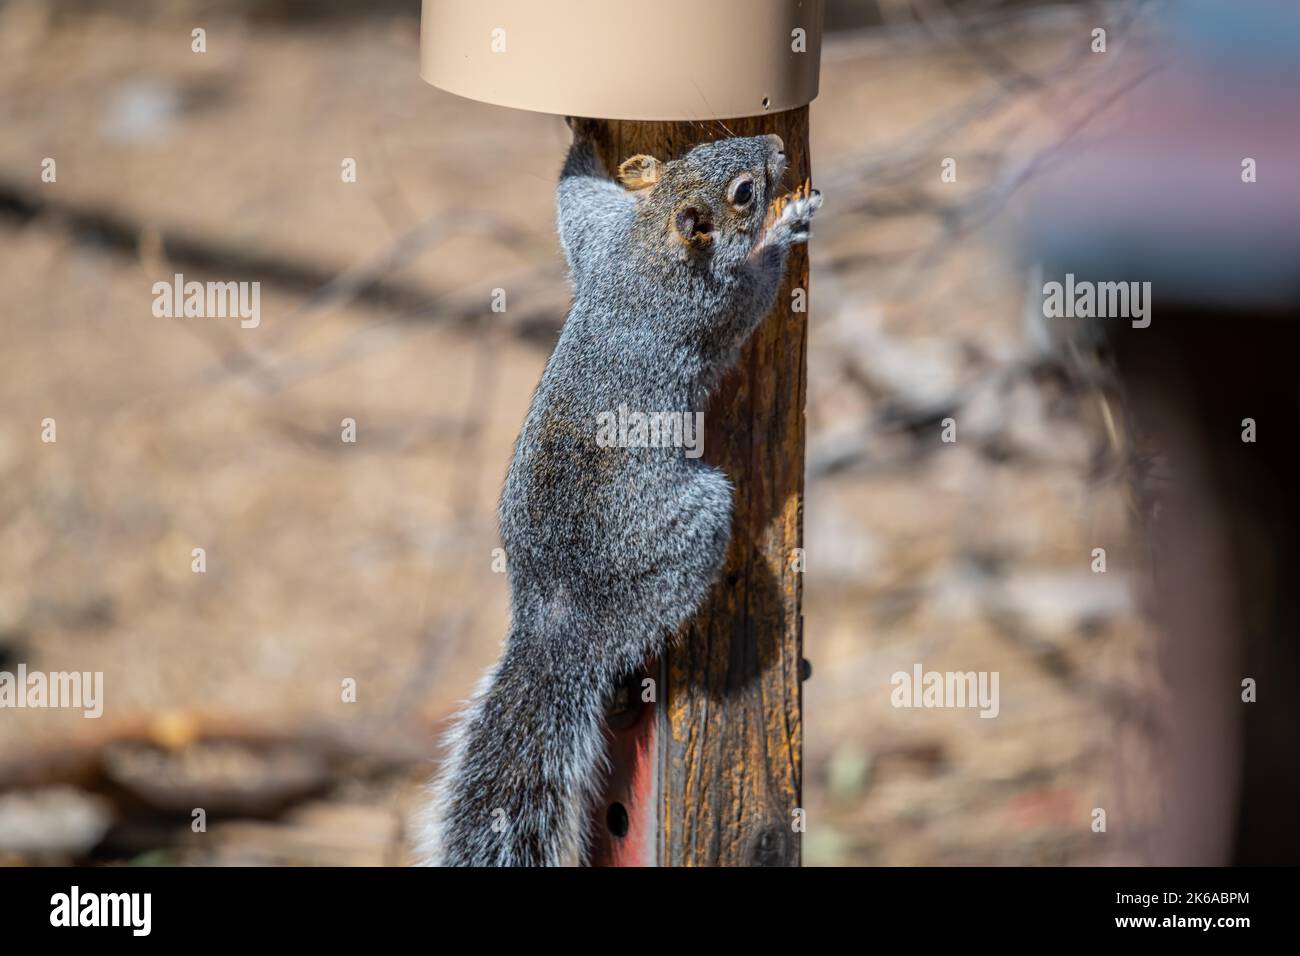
(778, 144)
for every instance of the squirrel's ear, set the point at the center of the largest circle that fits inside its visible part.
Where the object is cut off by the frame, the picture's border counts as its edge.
(693, 226)
(639, 171)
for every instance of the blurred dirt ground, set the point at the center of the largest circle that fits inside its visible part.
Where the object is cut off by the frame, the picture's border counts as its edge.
(373, 562)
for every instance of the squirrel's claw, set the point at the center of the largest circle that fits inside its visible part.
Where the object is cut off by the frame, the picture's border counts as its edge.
(790, 216)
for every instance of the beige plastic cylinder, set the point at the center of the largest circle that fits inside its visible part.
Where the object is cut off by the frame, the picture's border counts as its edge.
(615, 59)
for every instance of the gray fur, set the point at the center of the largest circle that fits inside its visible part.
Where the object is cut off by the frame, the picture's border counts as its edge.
(610, 550)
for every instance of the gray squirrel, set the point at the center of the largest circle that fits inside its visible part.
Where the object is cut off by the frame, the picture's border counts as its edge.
(610, 550)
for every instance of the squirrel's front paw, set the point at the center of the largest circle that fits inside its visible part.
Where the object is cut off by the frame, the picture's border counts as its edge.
(791, 215)
(582, 127)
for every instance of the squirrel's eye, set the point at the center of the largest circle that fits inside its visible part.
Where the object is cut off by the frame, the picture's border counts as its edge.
(742, 192)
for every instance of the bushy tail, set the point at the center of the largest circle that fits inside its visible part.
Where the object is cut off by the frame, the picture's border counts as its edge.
(522, 766)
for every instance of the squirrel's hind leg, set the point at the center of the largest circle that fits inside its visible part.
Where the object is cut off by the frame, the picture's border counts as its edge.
(683, 546)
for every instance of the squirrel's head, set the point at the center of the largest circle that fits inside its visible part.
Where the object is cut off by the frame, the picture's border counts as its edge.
(712, 201)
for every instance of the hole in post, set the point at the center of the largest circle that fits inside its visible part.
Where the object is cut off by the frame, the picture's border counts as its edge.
(623, 705)
(616, 820)
(767, 102)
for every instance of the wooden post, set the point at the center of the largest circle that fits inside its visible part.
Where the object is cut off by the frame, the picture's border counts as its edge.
(714, 775)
